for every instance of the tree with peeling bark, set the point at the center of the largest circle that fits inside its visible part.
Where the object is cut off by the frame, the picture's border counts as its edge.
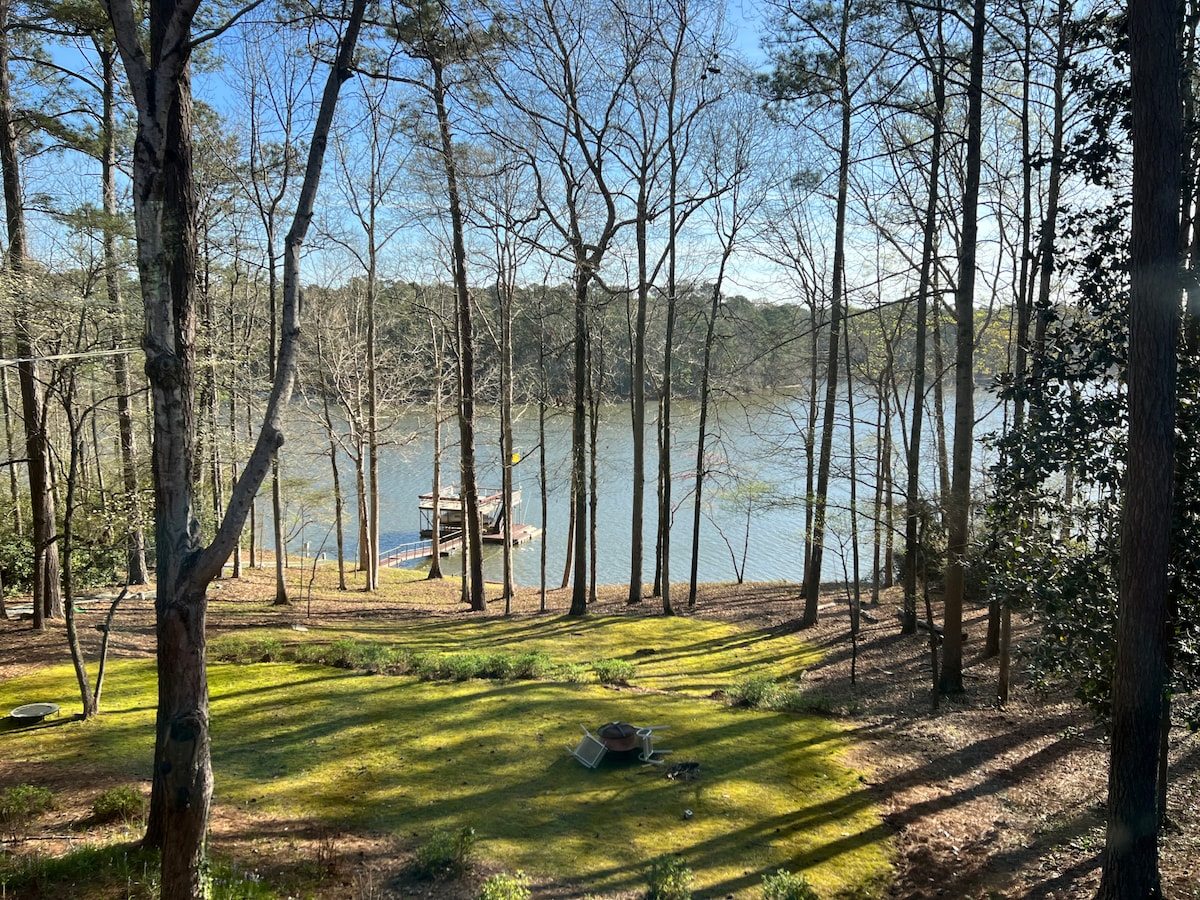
(158, 65)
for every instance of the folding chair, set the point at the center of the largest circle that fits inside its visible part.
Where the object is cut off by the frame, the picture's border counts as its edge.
(590, 750)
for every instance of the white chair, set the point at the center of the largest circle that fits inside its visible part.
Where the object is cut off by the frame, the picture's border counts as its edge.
(649, 751)
(590, 749)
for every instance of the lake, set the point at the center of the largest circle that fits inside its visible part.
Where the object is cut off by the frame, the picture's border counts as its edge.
(754, 498)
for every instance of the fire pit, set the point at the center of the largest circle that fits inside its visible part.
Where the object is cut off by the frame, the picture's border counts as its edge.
(622, 740)
(619, 737)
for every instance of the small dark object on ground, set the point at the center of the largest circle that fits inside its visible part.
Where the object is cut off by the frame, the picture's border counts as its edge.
(34, 712)
(683, 771)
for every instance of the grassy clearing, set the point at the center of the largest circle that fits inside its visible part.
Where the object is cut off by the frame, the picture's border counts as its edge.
(405, 756)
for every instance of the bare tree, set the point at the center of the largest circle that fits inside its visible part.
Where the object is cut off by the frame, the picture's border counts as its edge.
(443, 40)
(736, 176)
(371, 159)
(272, 84)
(569, 78)
(814, 64)
(934, 56)
(158, 65)
(958, 507)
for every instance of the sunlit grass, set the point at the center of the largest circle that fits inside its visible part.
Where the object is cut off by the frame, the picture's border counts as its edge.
(399, 755)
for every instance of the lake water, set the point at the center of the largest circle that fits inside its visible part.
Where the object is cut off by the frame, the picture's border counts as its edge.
(754, 506)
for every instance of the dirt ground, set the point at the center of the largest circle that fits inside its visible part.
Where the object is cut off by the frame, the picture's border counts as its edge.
(981, 801)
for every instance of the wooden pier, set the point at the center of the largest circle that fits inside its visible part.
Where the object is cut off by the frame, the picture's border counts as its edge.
(451, 540)
(417, 550)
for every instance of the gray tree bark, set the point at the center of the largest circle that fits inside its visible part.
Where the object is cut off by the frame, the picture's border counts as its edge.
(165, 218)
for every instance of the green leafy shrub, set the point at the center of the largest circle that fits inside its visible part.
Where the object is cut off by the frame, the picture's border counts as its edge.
(784, 885)
(244, 650)
(449, 851)
(228, 649)
(532, 665)
(345, 653)
(120, 804)
(309, 653)
(800, 702)
(570, 673)
(93, 566)
(668, 878)
(463, 666)
(613, 671)
(504, 886)
(377, 658)
(22, 803)
(348, 653)
(756, 692)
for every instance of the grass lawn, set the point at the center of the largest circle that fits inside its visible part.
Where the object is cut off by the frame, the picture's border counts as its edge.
(399, 755)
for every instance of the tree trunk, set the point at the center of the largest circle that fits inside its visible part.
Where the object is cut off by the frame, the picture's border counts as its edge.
(595, 370)
(964, 372)
(507, 449)
(934, 57)
(637, 400)
(939, 410)
(86, 696)
(579, 491)
(810, 441)
(710, 340)
(14, 490)
(281, 592)
(373, 547)
(435, 523)
(339, 502)
(165, 218)
(543, 486)
(47, 600)
(812, 575)
(469, 491)
(1139, 677)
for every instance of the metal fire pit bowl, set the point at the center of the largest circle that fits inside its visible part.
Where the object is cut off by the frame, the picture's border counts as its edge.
(619, 737)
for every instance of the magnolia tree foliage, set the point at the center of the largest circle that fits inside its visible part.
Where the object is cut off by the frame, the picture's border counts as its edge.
(1051, 542)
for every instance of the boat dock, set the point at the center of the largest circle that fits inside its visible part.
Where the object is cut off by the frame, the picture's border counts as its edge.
(449, 512)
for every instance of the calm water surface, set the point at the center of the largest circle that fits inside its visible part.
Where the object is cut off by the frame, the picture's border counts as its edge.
(753, 497)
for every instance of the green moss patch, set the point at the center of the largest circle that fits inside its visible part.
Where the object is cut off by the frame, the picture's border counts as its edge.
(407, 756)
